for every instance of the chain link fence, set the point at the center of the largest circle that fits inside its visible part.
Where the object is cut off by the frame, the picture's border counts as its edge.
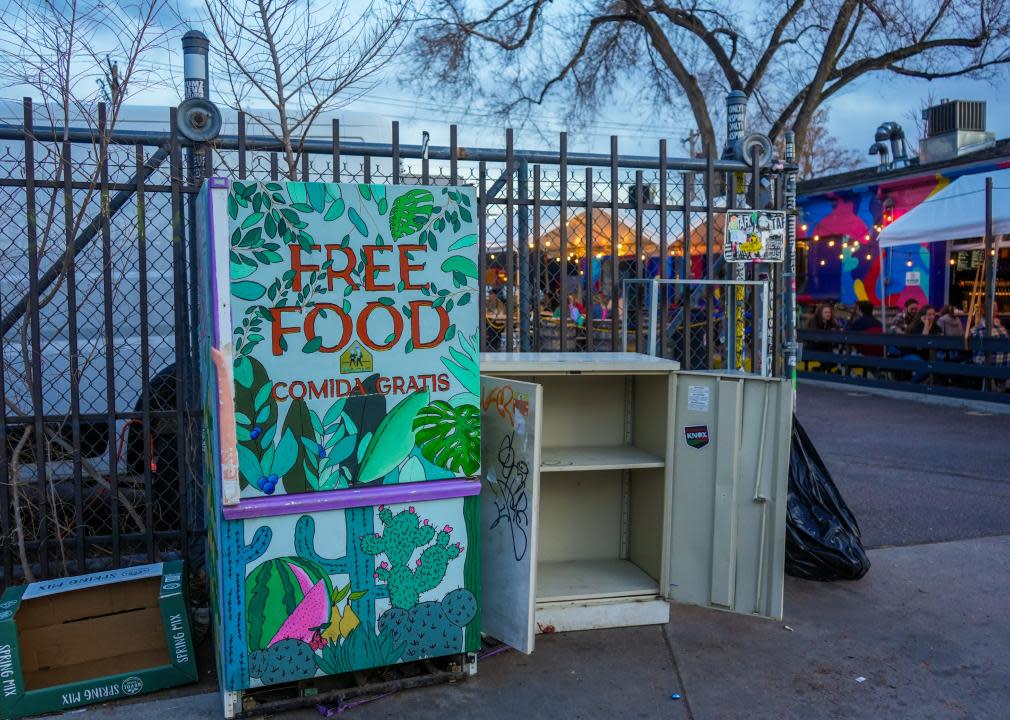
(100, 458)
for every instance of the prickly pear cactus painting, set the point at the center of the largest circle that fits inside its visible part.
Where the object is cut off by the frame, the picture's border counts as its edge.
(359, 588)
(354, 330)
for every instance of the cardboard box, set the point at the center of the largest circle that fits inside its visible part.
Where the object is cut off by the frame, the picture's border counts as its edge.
(80, 640)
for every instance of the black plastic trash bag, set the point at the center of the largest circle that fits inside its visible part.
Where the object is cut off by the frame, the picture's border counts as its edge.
(822, 535)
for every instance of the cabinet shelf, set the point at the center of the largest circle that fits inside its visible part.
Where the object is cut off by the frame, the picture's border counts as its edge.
(591, 580)
(596, 457)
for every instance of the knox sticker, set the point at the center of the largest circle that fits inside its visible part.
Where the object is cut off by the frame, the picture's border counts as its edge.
(696, 435)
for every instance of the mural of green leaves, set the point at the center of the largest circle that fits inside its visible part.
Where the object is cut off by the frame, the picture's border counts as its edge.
(450, 436)
(284, 238)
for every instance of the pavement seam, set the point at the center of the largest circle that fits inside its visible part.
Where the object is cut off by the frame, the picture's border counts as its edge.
(676, 669)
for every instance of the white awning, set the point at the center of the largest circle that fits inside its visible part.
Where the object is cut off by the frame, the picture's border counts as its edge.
(954, 213)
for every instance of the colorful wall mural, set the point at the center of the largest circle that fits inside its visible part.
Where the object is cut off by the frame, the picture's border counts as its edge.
(340, 364)
(853, 216)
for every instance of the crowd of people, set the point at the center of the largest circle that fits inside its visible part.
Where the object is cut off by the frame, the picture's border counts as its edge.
(915, 319)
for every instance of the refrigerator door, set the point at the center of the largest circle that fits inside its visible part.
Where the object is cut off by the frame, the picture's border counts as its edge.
(510, 500)
(730, 488)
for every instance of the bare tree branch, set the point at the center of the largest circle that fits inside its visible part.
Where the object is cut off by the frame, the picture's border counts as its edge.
(289, 61)
(792, 56)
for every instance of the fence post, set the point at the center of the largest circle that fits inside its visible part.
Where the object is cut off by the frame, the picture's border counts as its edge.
(196, 67)
(736, 128)
(789, 277)
(525, 287)
(992, 262)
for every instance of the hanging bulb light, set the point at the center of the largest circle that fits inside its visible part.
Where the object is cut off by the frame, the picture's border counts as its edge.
(823, 263)
(868, 256)
(831, 243)
(909, 263)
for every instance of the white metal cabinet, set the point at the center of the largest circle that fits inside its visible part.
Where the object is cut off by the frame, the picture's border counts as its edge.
(612, 481)
(730, 486)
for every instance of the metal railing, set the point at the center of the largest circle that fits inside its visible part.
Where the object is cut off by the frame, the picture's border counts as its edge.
(703, 324)
(99, 438)
(978, 369)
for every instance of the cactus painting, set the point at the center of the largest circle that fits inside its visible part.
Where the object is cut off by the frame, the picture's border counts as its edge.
(356, 588)
(404, 533)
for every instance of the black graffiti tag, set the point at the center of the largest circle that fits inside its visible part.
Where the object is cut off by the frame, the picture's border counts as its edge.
(509, 489)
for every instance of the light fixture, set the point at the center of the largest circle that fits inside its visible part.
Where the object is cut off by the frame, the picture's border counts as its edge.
(530, 244)
(831, 243)
(855, 245)
(909, 263)
(817, 238)
(845, 244)
(841, 257)
(868, 256)
(866, 237)
(803, 227)
(492, 256)
(953, 261)
(823, 263)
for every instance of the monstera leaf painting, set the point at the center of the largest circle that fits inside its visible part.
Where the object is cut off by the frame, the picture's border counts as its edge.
(410, 212)
(449, 436)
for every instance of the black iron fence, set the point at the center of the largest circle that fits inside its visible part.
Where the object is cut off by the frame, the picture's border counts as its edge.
(978, 368)
(99, 436)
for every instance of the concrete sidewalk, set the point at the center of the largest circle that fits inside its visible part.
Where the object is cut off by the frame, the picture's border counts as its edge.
(927, 629)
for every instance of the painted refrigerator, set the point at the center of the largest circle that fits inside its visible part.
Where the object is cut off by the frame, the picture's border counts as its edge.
(342, 431)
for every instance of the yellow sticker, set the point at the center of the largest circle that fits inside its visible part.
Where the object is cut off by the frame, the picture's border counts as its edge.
(355, 359)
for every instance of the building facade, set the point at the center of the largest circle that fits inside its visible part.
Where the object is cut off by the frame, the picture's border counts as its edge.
(841, 215)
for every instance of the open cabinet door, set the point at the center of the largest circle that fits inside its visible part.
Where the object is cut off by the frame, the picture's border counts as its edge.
(730, 488)
(510, 501)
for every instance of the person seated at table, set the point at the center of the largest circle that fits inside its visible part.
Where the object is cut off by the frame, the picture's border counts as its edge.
(823, 320)
(926, 323)
(949, 322)
(863, 321)
(576, 310)
(901, 323)
(601, 307)
(997, 359)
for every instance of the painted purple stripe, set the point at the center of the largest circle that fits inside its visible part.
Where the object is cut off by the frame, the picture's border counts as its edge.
(352, 497)
(218, 182)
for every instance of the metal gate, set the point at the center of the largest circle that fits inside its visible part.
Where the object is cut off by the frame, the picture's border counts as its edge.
(99, 438)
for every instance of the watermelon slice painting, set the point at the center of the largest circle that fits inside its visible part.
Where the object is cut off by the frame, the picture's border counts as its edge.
(277, 590)
(310, 614)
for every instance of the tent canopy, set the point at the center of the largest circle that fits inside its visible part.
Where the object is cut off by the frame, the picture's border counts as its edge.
(954, 213)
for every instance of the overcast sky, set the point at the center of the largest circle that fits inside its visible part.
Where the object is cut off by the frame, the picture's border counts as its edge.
(854, 113)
